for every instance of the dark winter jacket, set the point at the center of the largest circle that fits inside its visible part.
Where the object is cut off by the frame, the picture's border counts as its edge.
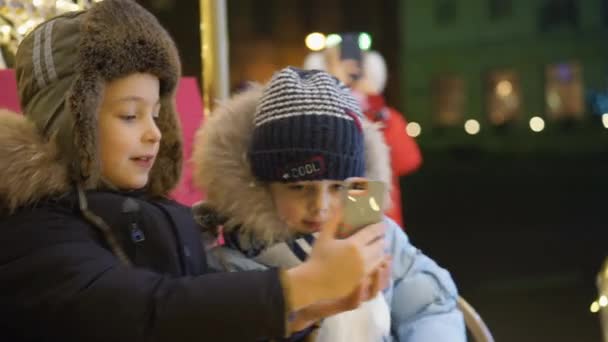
(59, 281)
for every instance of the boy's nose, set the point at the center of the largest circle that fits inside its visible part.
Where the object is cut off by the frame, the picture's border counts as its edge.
(152, 133)
(320, 202)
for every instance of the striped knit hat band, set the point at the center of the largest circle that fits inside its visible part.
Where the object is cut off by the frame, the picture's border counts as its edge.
(307, 127)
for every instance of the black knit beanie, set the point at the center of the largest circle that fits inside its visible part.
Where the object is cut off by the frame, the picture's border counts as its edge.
(307, 127)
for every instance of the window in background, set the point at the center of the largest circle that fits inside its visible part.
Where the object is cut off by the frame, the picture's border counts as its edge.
(564, 91)
(448, 100)
(502, 96)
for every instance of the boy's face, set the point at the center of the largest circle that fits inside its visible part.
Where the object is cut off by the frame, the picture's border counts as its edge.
(306, 207)
(128, 135)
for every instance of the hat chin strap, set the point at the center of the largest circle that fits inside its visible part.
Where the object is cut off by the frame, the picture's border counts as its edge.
(100, 224)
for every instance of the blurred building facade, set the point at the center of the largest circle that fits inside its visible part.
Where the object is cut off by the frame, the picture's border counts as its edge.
(501, 62)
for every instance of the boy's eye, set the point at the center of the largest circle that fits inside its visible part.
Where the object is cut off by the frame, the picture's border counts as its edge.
(295, 187)
(128, 117)
(337, 187)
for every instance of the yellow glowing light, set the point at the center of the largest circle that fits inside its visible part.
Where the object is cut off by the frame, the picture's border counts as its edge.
(373, 204)
(472, 126)
(315, 41)
(537, 124)
(66, 6)
(26, 27)
(413, 129)
(504, 88)
(603, 301)
(605, 119)
(595, 307)
(18, 20)
(22, 29)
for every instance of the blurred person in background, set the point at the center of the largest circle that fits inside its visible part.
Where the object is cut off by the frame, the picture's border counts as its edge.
(365, 73)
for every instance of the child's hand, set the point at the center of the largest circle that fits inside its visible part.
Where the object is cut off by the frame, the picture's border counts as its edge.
(343, 263)
(376, 282)
(336, 267)
(367, 290)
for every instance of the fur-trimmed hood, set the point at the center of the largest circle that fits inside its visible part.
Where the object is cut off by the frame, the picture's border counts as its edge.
(223, 171)
(31, 167)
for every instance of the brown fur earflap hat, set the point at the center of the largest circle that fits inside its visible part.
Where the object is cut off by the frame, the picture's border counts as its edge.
(63, 66)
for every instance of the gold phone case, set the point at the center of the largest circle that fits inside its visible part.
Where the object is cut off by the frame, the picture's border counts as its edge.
(363, 201)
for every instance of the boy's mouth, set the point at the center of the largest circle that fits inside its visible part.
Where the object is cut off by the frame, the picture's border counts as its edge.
(145, 161)
(312, 226)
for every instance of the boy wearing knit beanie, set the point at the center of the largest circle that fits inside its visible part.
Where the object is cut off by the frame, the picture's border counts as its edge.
(273, 162)
(92, 248)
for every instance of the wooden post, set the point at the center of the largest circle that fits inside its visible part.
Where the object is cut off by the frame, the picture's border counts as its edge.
(214, 52)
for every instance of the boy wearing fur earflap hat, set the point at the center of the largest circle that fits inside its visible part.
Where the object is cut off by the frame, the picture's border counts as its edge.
(273, 162)
(371, 74)
(92, 248)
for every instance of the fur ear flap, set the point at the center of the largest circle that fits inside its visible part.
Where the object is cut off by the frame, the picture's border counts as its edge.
(167, 169)
(31, 167)
(78, 134)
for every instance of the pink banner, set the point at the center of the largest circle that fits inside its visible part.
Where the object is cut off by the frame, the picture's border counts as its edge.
(189, 107)
(9, 98)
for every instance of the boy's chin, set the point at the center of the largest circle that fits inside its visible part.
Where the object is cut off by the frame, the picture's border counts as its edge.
(305, 229)
(136, 183)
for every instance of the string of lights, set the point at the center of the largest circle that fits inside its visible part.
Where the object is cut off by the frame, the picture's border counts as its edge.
(19, 17)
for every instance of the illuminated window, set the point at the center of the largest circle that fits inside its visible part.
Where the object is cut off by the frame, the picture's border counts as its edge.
(564, 95)
(502, 96)
(448, 100)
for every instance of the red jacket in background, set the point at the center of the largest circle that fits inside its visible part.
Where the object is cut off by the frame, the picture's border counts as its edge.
(404, 152)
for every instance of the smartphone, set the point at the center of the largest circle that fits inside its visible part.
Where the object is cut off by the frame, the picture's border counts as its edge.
(363, 203)
(349, 49)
